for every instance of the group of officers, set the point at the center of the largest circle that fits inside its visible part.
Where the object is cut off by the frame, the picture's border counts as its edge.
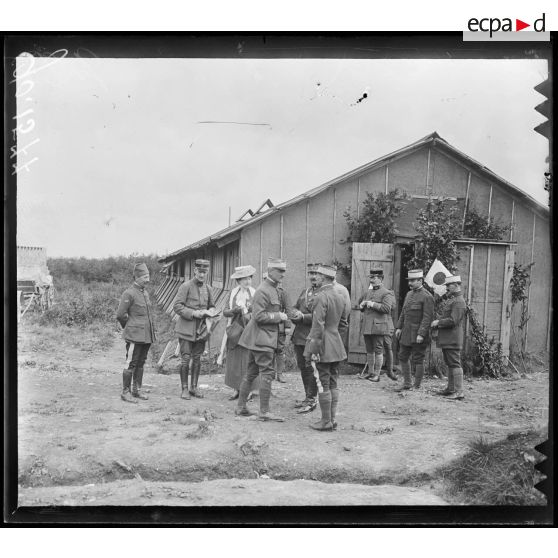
(320, 316)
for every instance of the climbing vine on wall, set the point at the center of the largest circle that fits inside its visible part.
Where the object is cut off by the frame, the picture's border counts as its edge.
(437, 226)
(481, 226)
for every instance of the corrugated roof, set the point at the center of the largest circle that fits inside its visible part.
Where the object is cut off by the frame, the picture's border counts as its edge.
(434, 139)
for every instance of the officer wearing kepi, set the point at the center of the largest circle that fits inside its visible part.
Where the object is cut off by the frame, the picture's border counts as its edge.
(377, 304)
(325, 344)
(303, 323)
(450, 337)
(193, 303)
(134, 315)
(413, 328)
(260, 337)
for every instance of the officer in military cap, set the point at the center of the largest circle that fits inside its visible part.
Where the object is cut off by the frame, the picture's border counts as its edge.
(303, 323)
(134, 315)
(377, 304)
(450, 336)
(260, 337)
(325, 344)
(413, 328)
(193, 303)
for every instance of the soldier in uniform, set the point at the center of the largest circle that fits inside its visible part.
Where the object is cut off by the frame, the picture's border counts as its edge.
(377, 305)
(325, 344)
(450, 337)
(260, 337)
(413, 328)
(345, 295)
(134, 315)
(192, 304)
(303, 322)
(284, 330)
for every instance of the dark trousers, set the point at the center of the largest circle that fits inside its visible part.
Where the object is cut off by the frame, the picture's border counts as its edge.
(308, 380)
(452, 357)
(416, 352)
(190, 351)
(280, 353)
(374, 343)
(260, 364)
(329, 374)
(139, 354)
(388, 352)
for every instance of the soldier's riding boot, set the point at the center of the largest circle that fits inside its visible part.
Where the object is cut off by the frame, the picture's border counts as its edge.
(243, 393)
(370, 361)
(378, 361)
(389, 365)
(334, 400)
(265, 395)
(196, 366)
(449, 389)
(419, 373)
(137, 378)
(126, 381)
(458, 383)
(406, 369)
(184, 381)
(280, 362)
(325, 423)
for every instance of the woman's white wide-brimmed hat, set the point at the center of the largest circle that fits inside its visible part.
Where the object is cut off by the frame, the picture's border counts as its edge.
(243, 271)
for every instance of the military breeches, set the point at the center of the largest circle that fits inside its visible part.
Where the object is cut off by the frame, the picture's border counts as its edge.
(307, 373)
(191, 350)
(374, 344)
(452, 357)
(260, 363)
(416, 352)
(329, 374)
(138, 355)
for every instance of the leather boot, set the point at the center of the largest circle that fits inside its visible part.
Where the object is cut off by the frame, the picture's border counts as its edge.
(325, 423)
(419, 373)
(137, 378)
(458, 384)
(196, 365)
(280, 362)
(406, 369)
(126, 381)
(265, 415)
(449, 389)
(378, 361)
(184, 381)
(334, 400)
(243, 393)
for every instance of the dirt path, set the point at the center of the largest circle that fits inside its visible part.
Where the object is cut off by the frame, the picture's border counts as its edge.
(75, 430)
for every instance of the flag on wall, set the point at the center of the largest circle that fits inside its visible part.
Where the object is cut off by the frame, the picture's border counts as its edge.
(436, 277)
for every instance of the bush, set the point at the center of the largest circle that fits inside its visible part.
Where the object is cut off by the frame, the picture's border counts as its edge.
(481, 226)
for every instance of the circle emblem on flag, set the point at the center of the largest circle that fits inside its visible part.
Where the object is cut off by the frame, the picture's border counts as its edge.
(439, 278)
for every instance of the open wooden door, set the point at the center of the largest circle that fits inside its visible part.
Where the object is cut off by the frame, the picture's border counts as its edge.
(365, 255)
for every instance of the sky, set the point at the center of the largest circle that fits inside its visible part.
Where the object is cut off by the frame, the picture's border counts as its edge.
(148, 155)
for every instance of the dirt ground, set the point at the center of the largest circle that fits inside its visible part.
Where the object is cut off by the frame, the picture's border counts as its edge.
(80, 444)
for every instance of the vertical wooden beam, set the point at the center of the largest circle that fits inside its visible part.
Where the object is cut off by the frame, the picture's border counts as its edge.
(485, 310)
(427, 173)
(306, 249)
(466, 203)
(387, 179)
(512, 227)
(548, 322)
(334, 222)
(358, 198)
(490, 201)
(530, 279)
(261, 246)
(281, 236)
(506, 303)
(469, 287)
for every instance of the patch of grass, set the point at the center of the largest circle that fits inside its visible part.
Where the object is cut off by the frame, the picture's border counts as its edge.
(500, 473)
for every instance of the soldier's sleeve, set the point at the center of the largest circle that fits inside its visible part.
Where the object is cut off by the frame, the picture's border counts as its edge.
(457, 315)
(259, 309)
(179, 305)
(227, 311)
(289, 308)
(122, 311)
(401, 320)
(344, 321)
(384, 307)
(210, 301)
(316, 335)
(427, 315)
